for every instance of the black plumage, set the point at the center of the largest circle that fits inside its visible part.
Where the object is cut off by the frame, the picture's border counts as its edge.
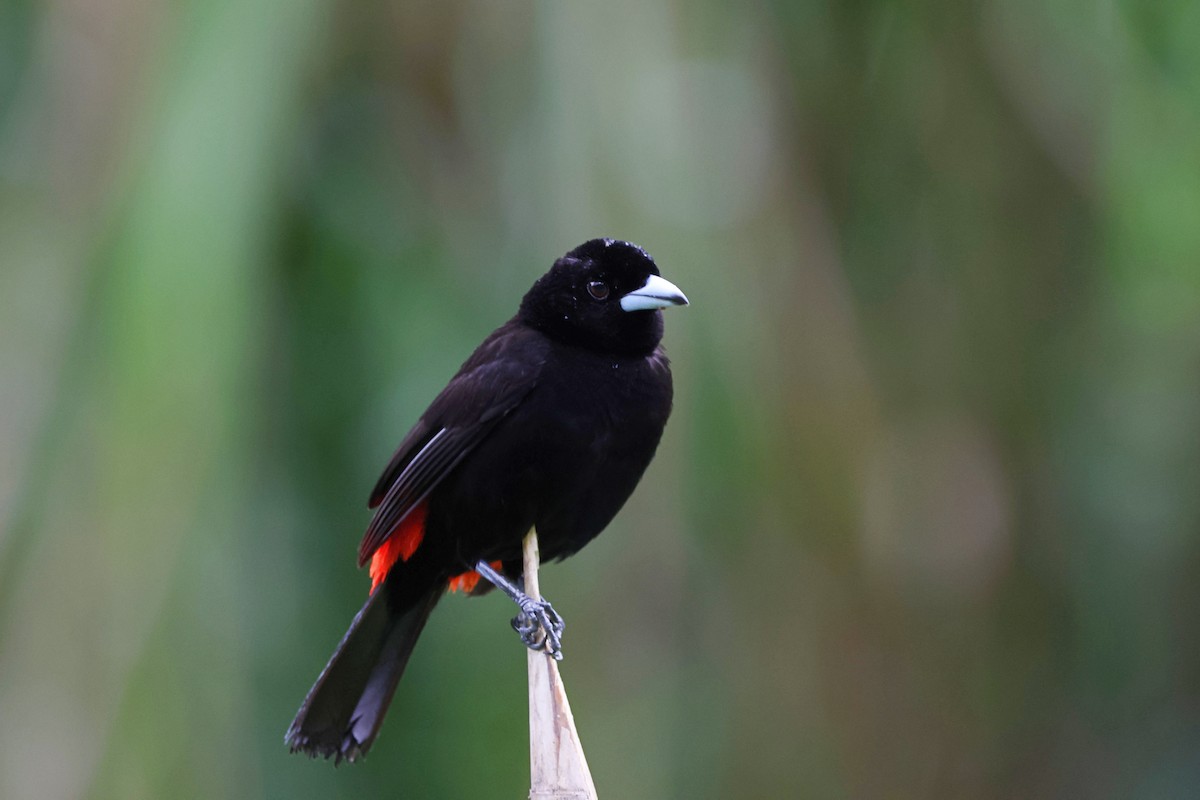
(550, 423)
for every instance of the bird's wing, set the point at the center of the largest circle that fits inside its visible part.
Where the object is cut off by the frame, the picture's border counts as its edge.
(493, 381)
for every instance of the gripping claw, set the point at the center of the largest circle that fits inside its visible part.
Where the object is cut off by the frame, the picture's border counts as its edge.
(538, 624)
(540, 627)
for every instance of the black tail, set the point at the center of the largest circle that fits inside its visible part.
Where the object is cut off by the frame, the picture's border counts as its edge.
(345, 707)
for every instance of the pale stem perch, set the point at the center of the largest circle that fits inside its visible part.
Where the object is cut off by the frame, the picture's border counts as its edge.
(557, 766)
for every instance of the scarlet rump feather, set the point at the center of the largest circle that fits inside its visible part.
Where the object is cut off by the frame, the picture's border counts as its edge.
(400, 544)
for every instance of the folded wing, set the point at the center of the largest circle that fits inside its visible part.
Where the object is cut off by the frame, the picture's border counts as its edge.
(492, 382)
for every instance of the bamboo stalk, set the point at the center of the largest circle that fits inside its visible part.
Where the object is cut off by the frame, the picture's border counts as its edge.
(557, 766)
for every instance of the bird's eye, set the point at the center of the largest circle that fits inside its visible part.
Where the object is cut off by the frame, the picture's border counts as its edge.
(598, 290)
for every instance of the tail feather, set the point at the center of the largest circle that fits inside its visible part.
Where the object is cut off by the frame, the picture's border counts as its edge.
(345, 707)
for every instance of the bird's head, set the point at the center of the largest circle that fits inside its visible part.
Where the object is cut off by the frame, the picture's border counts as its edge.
(604, 295)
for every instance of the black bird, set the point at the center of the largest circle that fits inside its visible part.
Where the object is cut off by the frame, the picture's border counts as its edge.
(550, 423)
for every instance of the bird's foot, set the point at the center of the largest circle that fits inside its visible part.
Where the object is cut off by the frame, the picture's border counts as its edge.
(540, 626)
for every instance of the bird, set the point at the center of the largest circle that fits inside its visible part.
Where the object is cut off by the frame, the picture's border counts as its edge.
(549, 424)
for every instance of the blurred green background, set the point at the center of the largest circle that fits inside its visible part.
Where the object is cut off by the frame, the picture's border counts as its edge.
(925, 520)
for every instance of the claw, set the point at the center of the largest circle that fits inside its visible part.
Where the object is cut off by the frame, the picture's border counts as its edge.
(540, 627)
(532, 634)
(538, 624)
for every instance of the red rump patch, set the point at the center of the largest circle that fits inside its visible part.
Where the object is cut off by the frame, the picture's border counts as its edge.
(401, 543)
(466, 582)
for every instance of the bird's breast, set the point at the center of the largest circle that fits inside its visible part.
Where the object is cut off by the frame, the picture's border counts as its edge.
(566, 459)
(603, 425)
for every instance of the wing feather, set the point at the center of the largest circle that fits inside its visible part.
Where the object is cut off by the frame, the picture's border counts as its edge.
(492, 382)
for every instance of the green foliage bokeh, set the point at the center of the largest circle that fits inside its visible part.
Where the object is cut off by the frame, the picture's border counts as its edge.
(924, 522)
